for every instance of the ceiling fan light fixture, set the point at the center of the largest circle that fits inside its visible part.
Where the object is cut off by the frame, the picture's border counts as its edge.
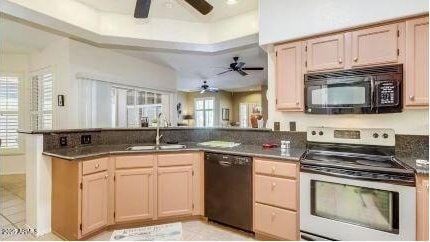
(168, 4)
(231, 2)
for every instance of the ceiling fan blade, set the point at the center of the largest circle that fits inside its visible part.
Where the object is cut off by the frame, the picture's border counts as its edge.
(142, 8)
(200, 5)
(242, 73)
(253, 68)
(202, 91)
(224, 72)
(240, 65)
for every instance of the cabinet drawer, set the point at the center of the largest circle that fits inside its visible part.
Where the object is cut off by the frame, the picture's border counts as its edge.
(134, 161)
(275, 221)
(176, 159)
(276, 168)
(276, 191)
(92, 166)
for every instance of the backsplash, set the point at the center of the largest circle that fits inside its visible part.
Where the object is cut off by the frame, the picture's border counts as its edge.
(112, 137)
(412, 144)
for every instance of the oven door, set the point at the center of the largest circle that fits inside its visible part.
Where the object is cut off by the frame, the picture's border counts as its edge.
(338, 96)
(347, 209)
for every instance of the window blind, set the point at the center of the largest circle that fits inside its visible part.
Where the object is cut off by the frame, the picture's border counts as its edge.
(9, 107)
(41, 101)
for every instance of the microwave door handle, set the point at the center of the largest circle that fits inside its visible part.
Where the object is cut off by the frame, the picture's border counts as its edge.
(372, 92)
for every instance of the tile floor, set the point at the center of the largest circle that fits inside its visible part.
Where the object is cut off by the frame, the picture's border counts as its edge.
(12, 216)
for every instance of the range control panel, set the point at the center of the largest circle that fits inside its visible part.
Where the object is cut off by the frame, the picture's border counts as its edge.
(380, 137)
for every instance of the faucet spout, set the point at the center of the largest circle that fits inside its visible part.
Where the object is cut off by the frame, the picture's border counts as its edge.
(165, 122)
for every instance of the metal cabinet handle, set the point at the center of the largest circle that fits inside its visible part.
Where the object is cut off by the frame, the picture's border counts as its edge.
(273, 169)
(297, 102)
(273, 185)
(97, 166)
(106, 176)
(355, 59)
(340, 60)
(273, 215)
(412, 97)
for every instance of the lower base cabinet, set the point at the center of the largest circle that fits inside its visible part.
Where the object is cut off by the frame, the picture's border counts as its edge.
(91, 195)
(422, 208)
(276, 194)
(175, 195)
(275, 221)
(134, 194)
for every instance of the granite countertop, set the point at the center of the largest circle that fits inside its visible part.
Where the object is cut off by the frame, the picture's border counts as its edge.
(410, 160)
(243, 150)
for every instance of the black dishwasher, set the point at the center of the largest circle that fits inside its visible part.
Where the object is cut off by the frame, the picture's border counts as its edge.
(228, 190)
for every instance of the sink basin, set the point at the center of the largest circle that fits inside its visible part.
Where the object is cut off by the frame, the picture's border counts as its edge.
(142, 147)
(154, 147)
(171, 147)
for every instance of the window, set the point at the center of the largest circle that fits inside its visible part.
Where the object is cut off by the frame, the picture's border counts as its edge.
(243, 115)
(130, 105)
(41, 101)
(9, 112)
(204, 112)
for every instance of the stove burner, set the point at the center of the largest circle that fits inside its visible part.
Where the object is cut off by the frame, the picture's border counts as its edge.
(374, 163)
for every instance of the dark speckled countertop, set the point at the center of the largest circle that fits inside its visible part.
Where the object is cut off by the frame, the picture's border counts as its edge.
(243, 150)
(410, 160)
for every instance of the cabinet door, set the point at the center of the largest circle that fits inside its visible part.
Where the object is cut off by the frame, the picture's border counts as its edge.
(94, 202)
(374, 46)
(417, 62)
(134, 194)
(289, 77)
(422, 208)
(175, 196)
(325, 53)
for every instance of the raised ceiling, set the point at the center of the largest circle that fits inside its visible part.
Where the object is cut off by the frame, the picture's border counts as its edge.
(193, 69)
(176, 9)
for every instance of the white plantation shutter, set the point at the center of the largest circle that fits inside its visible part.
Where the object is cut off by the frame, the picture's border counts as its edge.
(41, 101)
(9, 108)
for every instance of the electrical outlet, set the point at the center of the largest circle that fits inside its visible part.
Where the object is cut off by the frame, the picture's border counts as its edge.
(86, 139)
(292, 126)
(63, 141)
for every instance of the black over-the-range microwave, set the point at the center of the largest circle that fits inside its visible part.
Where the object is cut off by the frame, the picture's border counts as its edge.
(356, 91)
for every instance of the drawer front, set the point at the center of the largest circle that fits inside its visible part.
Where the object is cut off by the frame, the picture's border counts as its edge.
(134, 161)
(93, 166)
(274, 168)
(276, 191)
(176, 159)
(275, 221)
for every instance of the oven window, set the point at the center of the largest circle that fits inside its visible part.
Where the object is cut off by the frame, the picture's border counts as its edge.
(338, 96)
(367, 207)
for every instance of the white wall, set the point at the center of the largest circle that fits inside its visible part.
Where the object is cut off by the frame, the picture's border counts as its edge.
(16, 64)
(284, 20)
(407, 122)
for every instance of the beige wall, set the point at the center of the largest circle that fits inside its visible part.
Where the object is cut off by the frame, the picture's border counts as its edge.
(244, 97)
(222, 100)
(408, 122)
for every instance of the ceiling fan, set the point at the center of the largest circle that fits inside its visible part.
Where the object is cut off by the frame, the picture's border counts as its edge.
(205, 88)
(142, 7)
(240, 67)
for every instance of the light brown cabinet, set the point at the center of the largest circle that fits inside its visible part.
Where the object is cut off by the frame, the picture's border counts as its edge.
(374, 46)
(417, 62)
(276, 194)
(128, 189)
(94, 202)
(289, 77)
(175, 186)
(325, 53)
(134, 194)
(422, 208)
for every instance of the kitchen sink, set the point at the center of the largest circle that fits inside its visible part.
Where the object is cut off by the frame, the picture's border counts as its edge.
(154, 147)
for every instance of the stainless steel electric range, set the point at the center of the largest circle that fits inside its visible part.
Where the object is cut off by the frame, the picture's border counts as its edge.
(353, 188)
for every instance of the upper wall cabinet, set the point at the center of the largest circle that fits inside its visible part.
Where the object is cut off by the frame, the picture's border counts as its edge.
(417, 62)
(325, 53)
(377, 45)
(289, 77)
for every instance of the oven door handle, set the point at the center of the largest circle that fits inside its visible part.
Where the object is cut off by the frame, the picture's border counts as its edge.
(325, 172)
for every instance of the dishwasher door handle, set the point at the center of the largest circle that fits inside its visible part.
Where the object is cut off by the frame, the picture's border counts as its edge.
(224, 163)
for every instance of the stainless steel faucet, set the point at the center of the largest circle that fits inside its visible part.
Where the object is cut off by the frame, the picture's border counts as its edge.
(165, 124)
